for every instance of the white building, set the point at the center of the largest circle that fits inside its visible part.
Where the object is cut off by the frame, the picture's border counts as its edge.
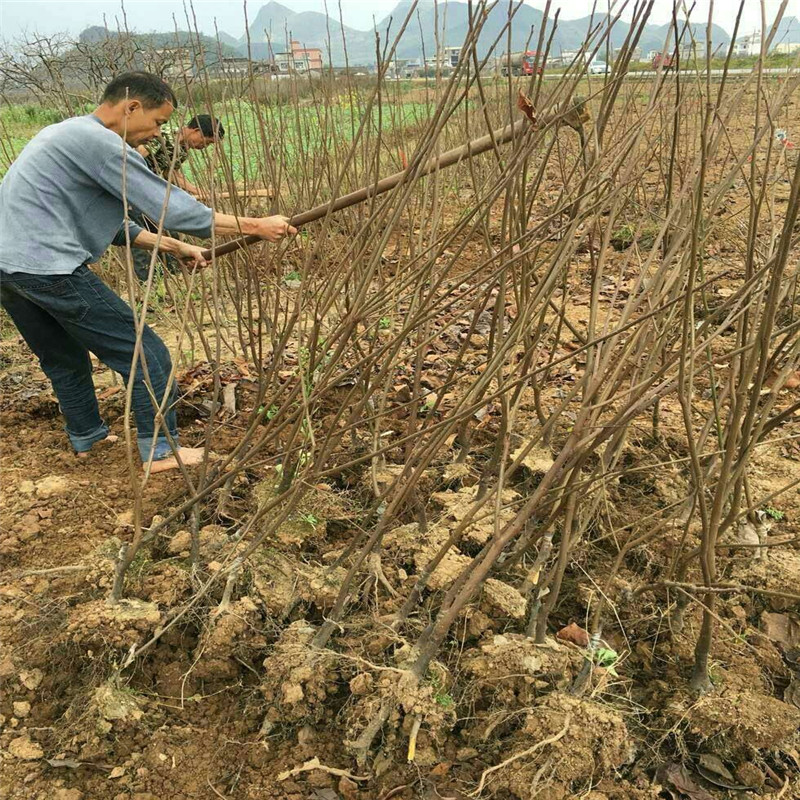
(692, 49)
(749, 45)
(568, 56)
(451, 55)
(412, 68)
(447, 58)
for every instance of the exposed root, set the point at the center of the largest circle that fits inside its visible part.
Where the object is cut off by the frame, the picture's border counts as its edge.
(361, 746)
(225, 602)
(412, 739)
(522, 754)
(376, 569)
(314, 764)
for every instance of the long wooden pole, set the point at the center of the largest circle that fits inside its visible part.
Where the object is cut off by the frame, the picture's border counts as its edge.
(572, 114)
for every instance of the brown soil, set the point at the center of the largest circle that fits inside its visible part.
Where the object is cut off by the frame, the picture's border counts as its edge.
(232, 700)
(233, 696)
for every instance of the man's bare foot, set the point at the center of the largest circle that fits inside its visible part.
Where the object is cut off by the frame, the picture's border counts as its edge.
(190, 457)
(110, 439)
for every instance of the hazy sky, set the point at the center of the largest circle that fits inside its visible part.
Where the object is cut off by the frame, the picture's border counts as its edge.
(72, 16)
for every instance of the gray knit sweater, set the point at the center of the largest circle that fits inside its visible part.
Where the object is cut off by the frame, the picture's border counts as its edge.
(61, 200)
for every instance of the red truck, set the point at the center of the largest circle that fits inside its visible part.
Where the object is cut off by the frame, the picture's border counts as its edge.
(522, 63)
(662, 60)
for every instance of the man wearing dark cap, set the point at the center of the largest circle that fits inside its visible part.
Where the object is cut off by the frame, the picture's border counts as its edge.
(165, 156)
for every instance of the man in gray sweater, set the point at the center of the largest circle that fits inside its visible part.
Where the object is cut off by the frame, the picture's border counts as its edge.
(62, 203)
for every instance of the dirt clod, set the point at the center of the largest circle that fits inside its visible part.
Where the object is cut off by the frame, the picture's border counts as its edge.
(748, 774)
(738, 721)
(347, 789)
(31, 679)
(501, 599)
(25, 749)
(512, 669)
(115, 704)
(68, 794)
(53, 486)
(21, 708)
(596, 743)
(121, 624)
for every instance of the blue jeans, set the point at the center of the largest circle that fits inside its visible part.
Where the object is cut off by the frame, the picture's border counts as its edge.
(65, 317)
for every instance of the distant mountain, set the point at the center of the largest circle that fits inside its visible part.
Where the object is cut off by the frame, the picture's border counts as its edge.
(275, 24)
(654, 36)
(788, 30)
(97, 34)
(227, 39)
(94, 34)
(526, 26)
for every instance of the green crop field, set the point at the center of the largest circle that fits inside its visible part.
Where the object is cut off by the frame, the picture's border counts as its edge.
(291, 131)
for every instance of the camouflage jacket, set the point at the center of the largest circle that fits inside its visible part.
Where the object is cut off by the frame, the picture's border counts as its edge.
(160, 153)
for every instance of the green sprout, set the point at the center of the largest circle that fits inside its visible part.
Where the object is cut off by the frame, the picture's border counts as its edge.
(607, 658)
(623, 237)
(267, 413)
(444, 700)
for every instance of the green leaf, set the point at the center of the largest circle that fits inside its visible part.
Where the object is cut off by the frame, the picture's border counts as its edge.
(606, 657)
(445, 700)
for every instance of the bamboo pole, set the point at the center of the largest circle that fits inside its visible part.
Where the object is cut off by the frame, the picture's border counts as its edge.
(573, 114)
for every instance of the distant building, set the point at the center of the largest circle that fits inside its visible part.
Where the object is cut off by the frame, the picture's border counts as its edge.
(451, 56)
(299, 59)
(567, 57)
(446, 59)
(412, 68)
(238, 66)
(788, 43)
(177, 62)
(404, 68)
(749, 45)
(652, 54)
(692, 50)
(396, 67)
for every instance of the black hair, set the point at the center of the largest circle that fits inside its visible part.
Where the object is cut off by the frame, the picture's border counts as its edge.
(150, 89)
(208, 125)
